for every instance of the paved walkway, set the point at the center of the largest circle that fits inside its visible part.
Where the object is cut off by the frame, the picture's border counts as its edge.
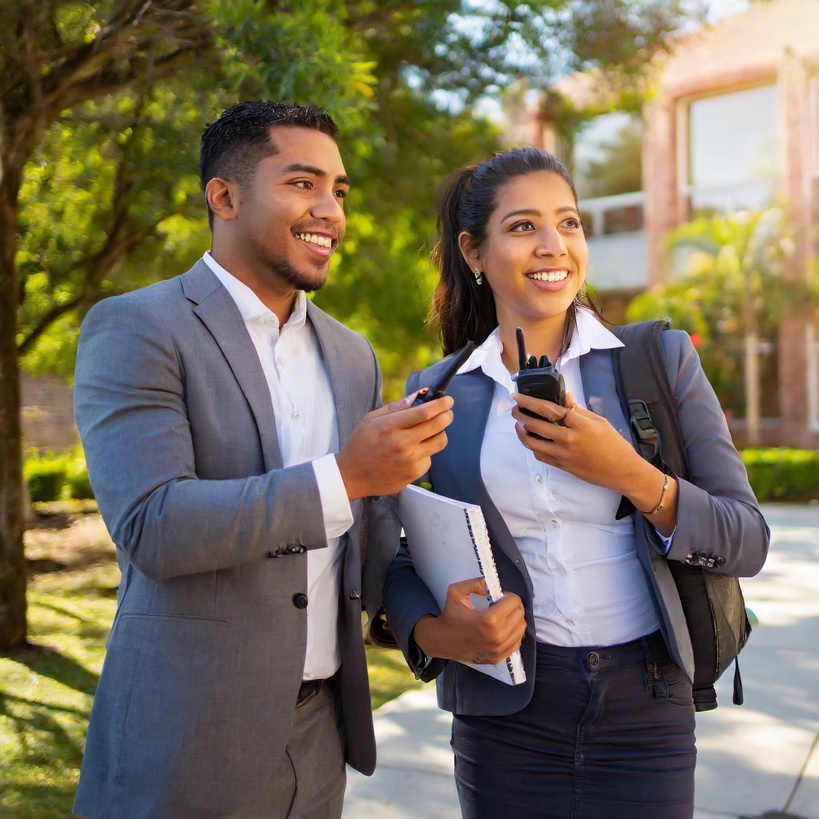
(758, 761)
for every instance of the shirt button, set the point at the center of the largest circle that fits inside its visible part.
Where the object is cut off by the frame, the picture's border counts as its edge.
(279, 360)
(296, 415)
(539, 479)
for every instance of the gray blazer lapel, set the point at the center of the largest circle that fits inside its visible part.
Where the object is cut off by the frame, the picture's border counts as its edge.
(219, 313)
(335, 360)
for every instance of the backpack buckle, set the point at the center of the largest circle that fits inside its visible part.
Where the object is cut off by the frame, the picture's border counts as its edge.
(642, 425)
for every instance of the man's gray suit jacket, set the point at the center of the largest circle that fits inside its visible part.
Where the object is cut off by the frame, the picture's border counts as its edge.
(717, 512)
(206, 653)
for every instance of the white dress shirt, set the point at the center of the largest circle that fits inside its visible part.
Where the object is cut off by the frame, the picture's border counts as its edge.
(307, 428)
(589, 588)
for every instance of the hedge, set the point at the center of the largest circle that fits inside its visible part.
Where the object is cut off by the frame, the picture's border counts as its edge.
(53, 477)
(781, 474)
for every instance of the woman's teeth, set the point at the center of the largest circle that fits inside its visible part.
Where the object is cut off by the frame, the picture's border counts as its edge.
(551, 276)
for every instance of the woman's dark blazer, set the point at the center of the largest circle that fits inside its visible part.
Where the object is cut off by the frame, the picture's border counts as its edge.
(717, 513)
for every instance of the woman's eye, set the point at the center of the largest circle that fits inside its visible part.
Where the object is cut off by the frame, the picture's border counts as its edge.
(572, 224)
(523, 226)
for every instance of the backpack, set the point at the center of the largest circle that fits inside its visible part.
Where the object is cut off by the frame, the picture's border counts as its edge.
(713, 604)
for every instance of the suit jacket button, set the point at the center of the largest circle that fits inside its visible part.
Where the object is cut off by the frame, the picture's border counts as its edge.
(300, 600)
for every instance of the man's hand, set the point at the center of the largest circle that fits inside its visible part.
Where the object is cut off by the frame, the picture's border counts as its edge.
(392, 446)
(472, 635)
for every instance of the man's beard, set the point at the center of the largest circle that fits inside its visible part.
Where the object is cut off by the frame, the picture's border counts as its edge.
(285, 273)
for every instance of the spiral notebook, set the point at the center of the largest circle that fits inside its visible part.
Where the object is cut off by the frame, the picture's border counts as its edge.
(449, 541)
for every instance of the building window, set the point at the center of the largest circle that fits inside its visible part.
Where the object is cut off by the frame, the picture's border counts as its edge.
(732, 151)
(607, 155)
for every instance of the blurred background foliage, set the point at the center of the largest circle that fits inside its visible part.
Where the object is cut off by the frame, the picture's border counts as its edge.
(110, 198)
(729, 283)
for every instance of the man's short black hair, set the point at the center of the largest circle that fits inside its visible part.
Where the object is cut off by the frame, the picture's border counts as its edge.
(233, 146)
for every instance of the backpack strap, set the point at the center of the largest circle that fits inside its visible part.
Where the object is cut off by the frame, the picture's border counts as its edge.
(648, 400)
(646, 394)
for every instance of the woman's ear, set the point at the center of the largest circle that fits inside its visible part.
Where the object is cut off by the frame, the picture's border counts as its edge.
(468, 250)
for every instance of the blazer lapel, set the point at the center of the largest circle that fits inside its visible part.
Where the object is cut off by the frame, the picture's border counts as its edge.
(218, 312)
(461, 466)
(337, 369)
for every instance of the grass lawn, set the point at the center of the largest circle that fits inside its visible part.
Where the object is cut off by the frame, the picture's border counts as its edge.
(46, 690)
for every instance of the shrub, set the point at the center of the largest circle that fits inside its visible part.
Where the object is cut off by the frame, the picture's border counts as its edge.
(783, 474)
(45, 475)
(53, 477)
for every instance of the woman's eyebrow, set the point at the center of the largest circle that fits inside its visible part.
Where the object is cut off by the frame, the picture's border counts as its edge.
(536, 212)
(521, 212)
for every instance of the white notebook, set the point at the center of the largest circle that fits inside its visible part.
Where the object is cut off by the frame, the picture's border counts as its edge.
(448, 541)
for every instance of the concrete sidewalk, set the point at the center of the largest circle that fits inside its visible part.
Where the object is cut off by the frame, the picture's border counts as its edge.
(758, 761)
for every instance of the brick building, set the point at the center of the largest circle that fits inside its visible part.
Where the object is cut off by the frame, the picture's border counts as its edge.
(733, 124)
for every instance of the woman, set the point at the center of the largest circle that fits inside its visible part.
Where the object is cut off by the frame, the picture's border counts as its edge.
(604, 724)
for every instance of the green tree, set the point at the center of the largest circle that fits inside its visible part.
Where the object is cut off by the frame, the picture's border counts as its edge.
(730, 297)
(101, 107)
(55, 57)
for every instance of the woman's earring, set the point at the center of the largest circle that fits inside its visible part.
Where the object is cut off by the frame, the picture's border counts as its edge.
(478, 276)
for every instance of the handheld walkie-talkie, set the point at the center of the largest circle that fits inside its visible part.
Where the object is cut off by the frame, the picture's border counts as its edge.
(438, 387)
(537, 378)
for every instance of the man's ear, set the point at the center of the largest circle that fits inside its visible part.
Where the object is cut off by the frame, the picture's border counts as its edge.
(222, 196)
(468, 249)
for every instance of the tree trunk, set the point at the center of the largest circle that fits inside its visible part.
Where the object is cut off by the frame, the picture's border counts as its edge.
(12, 559)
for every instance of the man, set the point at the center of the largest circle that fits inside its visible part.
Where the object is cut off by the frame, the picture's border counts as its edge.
(235, 444)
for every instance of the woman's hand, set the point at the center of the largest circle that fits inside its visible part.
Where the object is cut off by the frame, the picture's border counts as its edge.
(587, 446)
(464, 633)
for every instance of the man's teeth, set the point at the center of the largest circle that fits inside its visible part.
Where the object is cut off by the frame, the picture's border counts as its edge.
(551, 276)
(324, 241)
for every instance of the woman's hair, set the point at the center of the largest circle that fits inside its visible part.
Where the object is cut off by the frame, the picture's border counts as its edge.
(463, 311)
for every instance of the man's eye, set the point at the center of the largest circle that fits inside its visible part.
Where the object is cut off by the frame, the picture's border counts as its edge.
(304, 183)
(342, 193)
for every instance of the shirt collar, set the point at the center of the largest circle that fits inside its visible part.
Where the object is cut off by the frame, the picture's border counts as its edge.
(249, 304)
(589, 335)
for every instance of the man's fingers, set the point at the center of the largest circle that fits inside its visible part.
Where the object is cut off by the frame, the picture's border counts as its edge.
(411, 416)
(397, 406)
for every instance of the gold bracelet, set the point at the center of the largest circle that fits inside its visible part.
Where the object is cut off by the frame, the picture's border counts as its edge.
(662, 497)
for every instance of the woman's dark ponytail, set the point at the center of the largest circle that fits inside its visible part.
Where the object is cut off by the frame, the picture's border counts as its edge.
(462, 309)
